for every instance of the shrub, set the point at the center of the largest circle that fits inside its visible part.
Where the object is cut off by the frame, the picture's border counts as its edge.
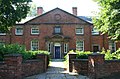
(19, 49)
(82, 54)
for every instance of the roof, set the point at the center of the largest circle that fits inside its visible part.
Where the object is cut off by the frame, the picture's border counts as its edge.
(84, 18)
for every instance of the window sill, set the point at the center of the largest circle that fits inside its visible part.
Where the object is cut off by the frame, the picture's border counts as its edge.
(80, 34)
(34, 33)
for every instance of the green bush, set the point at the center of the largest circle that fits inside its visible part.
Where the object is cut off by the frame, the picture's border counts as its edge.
(116, 54)
(19, 49)
(82, 54)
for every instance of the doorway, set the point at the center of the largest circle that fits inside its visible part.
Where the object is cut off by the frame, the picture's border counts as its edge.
(57, 51)
(95, 48)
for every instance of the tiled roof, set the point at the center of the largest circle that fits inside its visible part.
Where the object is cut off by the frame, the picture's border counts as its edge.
(86, 18)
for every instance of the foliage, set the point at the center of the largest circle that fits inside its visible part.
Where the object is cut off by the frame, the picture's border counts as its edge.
(108, 19)
(82, 54)
(108, 55)
(116, 54)
(32, 11)
(19, 49)
(12, 11)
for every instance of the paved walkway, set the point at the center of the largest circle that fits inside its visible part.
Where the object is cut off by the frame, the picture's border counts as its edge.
(56, 71)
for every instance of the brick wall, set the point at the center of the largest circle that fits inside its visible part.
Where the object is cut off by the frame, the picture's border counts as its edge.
(95, 67)
(14, 68)
(80, 66)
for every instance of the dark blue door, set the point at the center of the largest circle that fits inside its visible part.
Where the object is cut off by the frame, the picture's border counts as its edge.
(57, 52)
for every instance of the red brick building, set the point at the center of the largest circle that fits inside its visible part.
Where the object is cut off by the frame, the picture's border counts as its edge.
(58, 32)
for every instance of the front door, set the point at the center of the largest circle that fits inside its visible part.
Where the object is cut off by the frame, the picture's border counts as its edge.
(95, 49)
(57, 52)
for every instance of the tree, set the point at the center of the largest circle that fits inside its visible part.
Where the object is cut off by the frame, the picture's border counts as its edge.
(12, 11)
(108, 19)
(32, 11)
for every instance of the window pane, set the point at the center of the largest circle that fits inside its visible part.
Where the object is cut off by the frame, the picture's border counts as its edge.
(19, 31)
(95, 32)
(65, 48)
(34, 45)
(112, 46)
(49, 47)
(79, 30)
(35, 30)
(57, 30)
(80, 45)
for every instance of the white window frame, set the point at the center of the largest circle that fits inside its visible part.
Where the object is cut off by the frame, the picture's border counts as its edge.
(80, 46)
(2, 33)
(78, 32)
(111, 47)
(65, 47)
(16, 32)
(34, 28)
(33, 44)
(57, 29)
(95, 32)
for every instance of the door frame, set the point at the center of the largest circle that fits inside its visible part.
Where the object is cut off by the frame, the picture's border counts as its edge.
(57, 45)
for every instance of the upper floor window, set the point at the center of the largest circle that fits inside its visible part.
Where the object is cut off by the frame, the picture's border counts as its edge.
(19, 31)
(34, 30)
(57, 29)
(34, 45)
(2, 33)
(79, 30)
(95, 31)
(80, 45)
(112, 46)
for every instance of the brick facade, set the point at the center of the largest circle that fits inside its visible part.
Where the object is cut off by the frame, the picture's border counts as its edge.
(68, 24)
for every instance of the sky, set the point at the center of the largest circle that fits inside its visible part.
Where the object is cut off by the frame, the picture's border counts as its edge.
(84, 7)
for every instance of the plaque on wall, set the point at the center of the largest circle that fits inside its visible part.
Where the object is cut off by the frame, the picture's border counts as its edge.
(57, 17)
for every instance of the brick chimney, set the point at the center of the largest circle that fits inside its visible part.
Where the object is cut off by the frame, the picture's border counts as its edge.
(74, 9)
(39, 10)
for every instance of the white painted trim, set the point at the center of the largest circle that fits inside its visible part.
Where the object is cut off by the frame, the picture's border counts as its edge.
(31, 44)
(79, 28)
(18, 33)
(34, 33)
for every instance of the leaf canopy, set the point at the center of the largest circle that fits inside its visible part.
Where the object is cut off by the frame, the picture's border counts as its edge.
(12, 11)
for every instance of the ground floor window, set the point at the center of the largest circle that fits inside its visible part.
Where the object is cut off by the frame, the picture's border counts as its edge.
(112, 46)
(80, 45)
(49, 47)
(34, 45)
(65, 47)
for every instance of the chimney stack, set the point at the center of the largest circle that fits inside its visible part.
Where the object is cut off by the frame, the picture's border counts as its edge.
(39, 10)
(74, 9)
